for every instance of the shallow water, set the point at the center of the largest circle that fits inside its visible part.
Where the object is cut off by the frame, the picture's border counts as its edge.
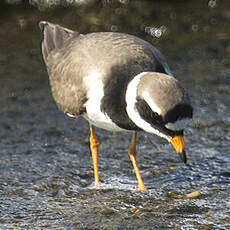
(46, 174)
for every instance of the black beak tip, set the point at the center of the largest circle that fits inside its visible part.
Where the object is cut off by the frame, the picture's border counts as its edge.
(183, 156)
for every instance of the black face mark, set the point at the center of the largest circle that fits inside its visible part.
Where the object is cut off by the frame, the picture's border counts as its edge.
(178, 112)
(155, 120)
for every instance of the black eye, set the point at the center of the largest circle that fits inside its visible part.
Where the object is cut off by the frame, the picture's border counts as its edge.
(155, 120)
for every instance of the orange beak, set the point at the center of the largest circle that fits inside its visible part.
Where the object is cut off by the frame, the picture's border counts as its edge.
(178, 144)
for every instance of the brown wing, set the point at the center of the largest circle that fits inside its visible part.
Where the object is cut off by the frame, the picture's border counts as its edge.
(63, 68)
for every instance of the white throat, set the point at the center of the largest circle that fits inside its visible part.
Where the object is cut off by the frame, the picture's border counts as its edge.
(130, 97)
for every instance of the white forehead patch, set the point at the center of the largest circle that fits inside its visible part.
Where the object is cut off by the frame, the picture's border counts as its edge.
(178, 125)
(151, 103)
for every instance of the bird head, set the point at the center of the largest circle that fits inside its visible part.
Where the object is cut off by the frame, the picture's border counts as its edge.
(158, 104)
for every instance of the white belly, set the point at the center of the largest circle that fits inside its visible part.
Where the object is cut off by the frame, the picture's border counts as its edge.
(102, 123)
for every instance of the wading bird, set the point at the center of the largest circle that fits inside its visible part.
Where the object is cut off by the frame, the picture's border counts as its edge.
(117, 82)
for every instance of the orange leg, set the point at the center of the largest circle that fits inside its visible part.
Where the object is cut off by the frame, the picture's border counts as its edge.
(132, 155)
(94, 146)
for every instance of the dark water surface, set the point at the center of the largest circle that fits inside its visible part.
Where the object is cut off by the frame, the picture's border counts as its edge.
(46, 174)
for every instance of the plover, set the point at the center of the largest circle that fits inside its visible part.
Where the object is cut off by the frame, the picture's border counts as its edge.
(117, 82)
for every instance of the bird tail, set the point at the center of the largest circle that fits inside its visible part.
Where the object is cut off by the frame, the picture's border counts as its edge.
(53, 37)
